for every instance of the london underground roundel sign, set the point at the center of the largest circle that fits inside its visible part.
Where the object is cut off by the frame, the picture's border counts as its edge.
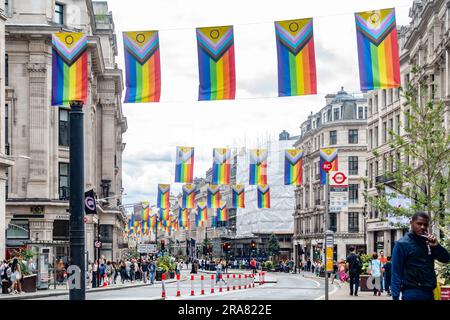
(339, 178)
(326, 166)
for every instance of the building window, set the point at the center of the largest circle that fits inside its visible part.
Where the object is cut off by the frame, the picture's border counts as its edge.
(353, 165)
(391, 95)
(384, 137)
(61, 230)
(18, 229)
(63, 127)
(360, 112)
(6, 130)
(391, 128)
(64, 181)
(353, 223)
(6, 70)
(371, 139)
(353, 136)
(335, 114)
(7, 8)
(375, 137)
(333, 137)
(375, 104)
(353, 193)
(383, 98)
(333, 221)
(106, 233)
(59, 13)
(324, 117)
(397, 120)
(370, 107)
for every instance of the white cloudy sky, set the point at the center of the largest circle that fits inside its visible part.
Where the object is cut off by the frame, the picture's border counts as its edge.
(154, 130)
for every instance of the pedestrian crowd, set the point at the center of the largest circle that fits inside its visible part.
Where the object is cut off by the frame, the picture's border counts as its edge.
(12, 273)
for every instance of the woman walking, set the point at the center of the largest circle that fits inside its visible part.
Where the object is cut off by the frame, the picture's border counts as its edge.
(16, 276)
(375, 270)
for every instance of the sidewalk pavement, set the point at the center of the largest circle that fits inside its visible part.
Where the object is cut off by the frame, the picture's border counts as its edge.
(62, 290)
(341, 291)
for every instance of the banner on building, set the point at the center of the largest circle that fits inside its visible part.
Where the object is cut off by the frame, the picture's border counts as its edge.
(222, 212)
(188, 197)
(90, 206)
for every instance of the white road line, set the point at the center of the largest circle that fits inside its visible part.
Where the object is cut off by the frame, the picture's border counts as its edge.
(316, 282)
(330, 293)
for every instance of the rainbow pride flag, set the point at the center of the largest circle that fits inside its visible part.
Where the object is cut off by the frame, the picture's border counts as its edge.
(145, 211)
(263, 196)
(163, 200)
(221, 166)
(202, 210)
(183, 218)
(222, 213)
(213, 196)
(378, 51)
(188, 198)
(293, 170)
(296, 57)
(152, 221)
(184, 167)
(328, 155)
(198, 221)
(216, 63)
(69, 68)
(143, 70)
(164, 215)
(238, 196)
(258, 166)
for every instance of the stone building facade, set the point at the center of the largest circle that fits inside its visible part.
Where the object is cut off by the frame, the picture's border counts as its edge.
(340, 124)
(425, 42)
(38, 188)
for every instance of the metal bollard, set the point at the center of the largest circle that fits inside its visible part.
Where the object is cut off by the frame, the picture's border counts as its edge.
(212, 283)
(234, 282)
(178, 285)
(163, 279)
(192, 285)
(202, 279)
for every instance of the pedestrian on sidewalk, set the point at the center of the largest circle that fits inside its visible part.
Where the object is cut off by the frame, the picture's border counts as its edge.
(413, 259)
(387, 268)
(16, 276)
(354, 267)
(152, 269)
(375, 270)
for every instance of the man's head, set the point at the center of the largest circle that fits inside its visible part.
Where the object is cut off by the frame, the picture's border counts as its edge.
(381, 253)
(352, 249)
(420, 222)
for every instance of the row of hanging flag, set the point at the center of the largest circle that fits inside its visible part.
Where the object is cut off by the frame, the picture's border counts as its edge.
(143, 223)
(221, 166)
(378, 58)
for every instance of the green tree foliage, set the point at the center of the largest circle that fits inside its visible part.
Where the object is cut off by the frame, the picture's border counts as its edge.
(422, 173)
(274, 245)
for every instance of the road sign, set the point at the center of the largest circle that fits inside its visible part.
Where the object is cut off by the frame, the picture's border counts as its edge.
(98, 244)
(146, 248)
(339, 178)
(326, 166)
(339, 192)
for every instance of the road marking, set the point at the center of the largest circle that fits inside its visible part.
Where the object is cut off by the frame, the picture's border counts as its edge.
(316, 282)
(330, 293)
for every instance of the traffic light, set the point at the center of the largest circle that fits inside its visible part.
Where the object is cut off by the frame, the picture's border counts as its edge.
(253, 245)
(162, 245)
(226, 247)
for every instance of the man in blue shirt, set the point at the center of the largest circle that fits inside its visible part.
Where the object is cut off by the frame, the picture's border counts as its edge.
(413, 261)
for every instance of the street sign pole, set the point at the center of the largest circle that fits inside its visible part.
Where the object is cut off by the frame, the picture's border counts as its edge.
(325, 221)
(76, 201)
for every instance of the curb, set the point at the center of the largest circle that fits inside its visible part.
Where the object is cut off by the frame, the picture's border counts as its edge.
(66, 292)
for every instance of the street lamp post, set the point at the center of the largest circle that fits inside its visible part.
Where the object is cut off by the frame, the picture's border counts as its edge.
(76, 201)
